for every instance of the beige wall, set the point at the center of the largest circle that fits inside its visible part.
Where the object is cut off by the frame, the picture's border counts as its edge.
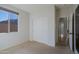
(57, 14)
(42, 24)
(14, 38)
(41, 21)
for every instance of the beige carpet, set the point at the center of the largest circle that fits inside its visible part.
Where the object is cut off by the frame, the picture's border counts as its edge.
(36, 48)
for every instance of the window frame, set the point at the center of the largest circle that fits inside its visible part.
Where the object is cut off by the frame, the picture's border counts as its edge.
(10, 11)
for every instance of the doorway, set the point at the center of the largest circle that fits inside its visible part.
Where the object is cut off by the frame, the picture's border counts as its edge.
(62, 32)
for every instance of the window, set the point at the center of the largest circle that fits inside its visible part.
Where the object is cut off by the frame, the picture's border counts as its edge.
(8, 21)
(3, 21)
(13, 22)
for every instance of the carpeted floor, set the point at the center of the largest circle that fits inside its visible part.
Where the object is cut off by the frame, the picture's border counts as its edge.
(36, 48)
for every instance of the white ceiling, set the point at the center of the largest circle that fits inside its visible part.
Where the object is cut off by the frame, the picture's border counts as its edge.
(35, 7)
(31, 7)
(64, 5)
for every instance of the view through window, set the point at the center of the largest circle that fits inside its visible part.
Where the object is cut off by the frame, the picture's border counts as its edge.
(8, 22)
